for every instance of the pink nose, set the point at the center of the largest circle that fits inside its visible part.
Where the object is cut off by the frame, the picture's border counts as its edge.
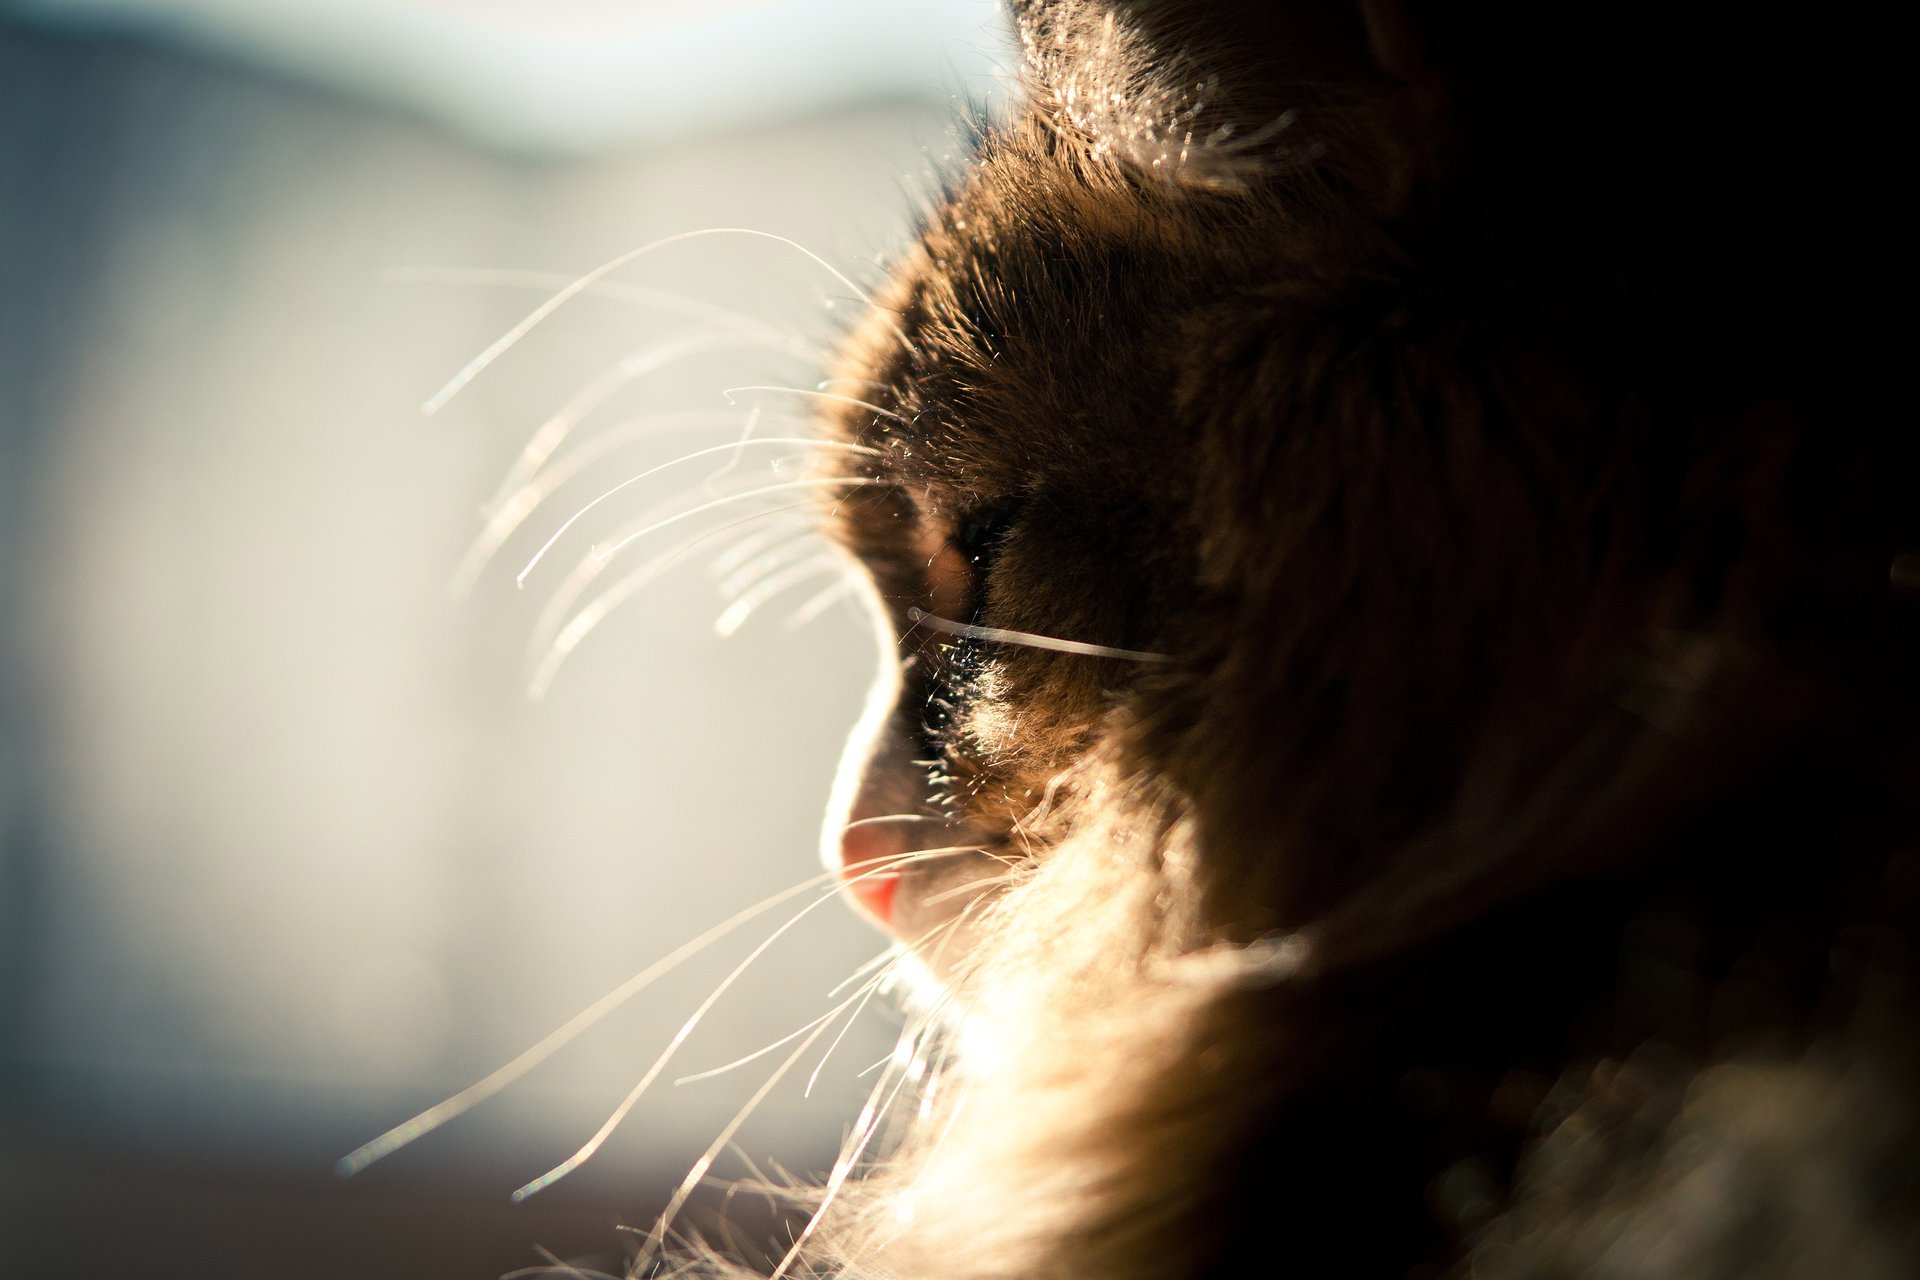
(867, 851)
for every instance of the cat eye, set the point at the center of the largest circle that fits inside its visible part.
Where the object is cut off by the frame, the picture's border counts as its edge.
(958, 559)
(978, 536)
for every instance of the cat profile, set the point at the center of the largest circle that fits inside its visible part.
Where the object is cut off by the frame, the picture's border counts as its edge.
(1402, 759)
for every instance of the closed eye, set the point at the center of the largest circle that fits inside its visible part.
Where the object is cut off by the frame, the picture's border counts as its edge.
(959, 560)
(978, 537)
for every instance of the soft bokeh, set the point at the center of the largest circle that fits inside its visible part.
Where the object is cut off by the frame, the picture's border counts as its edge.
(289, 853)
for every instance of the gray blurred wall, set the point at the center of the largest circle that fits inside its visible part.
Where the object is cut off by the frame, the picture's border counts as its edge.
(286, 853)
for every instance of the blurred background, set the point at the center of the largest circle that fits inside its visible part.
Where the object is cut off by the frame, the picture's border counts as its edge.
(287, 850)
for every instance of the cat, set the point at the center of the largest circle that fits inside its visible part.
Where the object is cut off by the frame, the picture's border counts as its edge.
(1402, 758)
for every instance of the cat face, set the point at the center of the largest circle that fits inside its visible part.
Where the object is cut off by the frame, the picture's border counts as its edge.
(1035, 485)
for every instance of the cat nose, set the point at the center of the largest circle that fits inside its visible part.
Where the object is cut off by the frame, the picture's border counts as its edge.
(870, 850)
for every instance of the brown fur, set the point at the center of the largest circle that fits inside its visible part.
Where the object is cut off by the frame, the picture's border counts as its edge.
(1483, 409)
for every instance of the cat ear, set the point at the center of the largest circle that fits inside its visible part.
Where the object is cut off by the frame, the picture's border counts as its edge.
(1194, 93)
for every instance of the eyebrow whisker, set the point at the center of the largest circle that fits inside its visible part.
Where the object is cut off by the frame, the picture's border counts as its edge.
(779, 535)
(508, 512)
(641, 295)
(817, 604)
(806, 441)
(736, 614)
(506, 341)
(554, 639)
(817, 482)
(551, 433)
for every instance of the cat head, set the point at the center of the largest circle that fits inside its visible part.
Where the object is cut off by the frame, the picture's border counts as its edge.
(1340, 476)
(1326, 380)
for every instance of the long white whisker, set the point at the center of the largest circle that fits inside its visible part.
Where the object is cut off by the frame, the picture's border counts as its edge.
(711, 485)
(773, 584)
(866, 994)
(877, 819)
(593, 1144)
(819, 603)
(1027, 639)
(763, 1051)
(658, 1235)
(868, 405)
(590, 567)
(868, 1125)
(890, 961)
(654, 299)
(782, 532)
(506, 515)
(867, 988)
(553, 642)
(817, 482)
(889, 1056)
(866, 967)
(960, 918)
(556, 428)
(745, 577)
(975, 888)
(506, 340)
(630, 481)
(435, 1116)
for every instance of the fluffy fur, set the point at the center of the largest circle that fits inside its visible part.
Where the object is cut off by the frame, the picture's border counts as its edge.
(1485, 411)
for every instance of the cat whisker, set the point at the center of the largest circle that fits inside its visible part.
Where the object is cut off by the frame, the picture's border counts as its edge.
(868, 405)
(900, 1050)
(736, 614)
(865, 989)
(975, 888)
(891, 960)
(813, 482)
(558, 1266)
(893, 817)
(1028, 639)
(657, 1237)
(874, 982)
(653, 1073)
(589, 567)
(872, 1115)
(745, 547)
(891, 955)
(830, 445)
(759, 1183)
(551, 433)
(745, 577)
(506, 341)
(652, 299)
(554, 641)
(711, 485)
(506, 515)
(435, 1116)
(811, 609)
(893, 863)
(873, 987)
(868, 1125)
